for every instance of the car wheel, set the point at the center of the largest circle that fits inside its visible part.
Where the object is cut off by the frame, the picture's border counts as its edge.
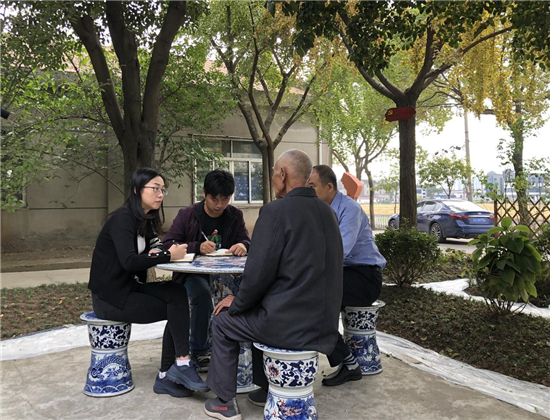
(392, 225)
(437, 232)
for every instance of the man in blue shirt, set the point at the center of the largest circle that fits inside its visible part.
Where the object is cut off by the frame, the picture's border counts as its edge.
(363, 264)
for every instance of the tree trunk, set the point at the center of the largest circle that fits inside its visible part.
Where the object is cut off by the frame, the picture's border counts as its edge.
(371, 197)
(520, 181)
(407, 172)
(138, 148)
(268, 162)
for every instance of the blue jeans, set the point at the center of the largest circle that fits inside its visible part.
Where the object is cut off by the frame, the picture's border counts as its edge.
(200, 302)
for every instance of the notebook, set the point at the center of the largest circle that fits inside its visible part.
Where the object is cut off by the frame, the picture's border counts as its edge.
(219, 253)
(187, 259)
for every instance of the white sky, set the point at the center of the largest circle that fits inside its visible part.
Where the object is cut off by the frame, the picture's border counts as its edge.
(484, 138)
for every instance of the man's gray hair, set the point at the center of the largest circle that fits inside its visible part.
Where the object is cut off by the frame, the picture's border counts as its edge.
(297, 163)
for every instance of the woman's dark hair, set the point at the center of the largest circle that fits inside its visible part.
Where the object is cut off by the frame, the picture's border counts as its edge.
(154, 218)
(219, 182)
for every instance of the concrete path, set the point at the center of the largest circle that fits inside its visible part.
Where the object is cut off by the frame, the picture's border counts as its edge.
(37, 278)
(50, 387)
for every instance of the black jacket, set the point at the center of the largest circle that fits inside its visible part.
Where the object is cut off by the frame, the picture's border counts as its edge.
(116, 262)
(291, 291)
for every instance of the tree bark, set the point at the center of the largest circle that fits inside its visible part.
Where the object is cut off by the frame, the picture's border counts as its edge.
(407, 173)
(520, 184)
(268, 162)
(371, 196)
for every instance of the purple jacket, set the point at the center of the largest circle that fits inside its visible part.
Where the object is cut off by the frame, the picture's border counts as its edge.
(186, 228)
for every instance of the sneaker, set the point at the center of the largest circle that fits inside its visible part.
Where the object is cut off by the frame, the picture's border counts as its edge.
(187, 376)
(202, 361)
(343, 375)
(166, 386)
(258, 397)
(213, 407)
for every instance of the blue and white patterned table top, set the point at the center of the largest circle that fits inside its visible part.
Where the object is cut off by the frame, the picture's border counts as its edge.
(208, 265)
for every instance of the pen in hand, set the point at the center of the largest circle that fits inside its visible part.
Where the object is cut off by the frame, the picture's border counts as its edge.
(205, 237)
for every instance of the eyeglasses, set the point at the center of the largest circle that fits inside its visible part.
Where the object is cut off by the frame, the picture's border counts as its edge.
(158, 190)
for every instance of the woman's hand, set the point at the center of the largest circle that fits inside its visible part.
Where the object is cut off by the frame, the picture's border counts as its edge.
(177, 251)
(224, 303)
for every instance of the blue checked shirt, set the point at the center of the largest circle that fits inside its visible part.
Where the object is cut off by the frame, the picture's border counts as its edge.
(357, 237)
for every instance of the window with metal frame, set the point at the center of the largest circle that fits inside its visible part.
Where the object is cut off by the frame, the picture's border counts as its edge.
(244, 160)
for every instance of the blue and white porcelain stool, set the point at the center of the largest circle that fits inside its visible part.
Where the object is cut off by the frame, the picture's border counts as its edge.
(290, 374)
(360, 336)
(110, 373)
(228, 284)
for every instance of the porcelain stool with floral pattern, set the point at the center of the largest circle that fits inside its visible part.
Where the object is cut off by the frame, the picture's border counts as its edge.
(360, 336)
(109, 373)
(290, 374)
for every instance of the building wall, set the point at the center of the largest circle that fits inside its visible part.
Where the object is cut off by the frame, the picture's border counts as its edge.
(45, 220)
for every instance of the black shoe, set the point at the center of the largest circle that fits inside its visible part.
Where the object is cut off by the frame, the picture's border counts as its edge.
(166, 386)
(213, 407)
(258, 397)
(187, 376)
(343, 375)
(202, 361)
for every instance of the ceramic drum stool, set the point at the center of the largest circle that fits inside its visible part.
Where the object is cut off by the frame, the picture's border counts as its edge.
(360, 336)
(109, 373)
(222, 285)
(290, 375)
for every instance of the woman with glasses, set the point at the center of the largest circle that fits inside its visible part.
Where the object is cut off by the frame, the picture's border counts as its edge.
(126, 247)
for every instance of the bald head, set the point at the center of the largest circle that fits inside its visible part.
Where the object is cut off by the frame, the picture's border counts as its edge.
(298, 165)
(291, 170)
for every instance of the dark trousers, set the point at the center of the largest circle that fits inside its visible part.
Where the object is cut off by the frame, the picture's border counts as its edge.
(200, 301)
(153, 302)
(362, 286)
(227, 332)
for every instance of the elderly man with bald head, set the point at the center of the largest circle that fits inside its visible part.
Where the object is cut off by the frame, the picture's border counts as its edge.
(291, 288)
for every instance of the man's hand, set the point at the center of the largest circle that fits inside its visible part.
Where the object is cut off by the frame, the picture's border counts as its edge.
(238, 249)
(224, 303)
(207, 247)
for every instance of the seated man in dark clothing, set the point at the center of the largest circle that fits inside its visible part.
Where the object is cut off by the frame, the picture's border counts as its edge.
(291, 290)
(362, 265)
(213, 223)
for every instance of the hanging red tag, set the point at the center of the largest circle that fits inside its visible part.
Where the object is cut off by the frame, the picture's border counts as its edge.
(401, 113)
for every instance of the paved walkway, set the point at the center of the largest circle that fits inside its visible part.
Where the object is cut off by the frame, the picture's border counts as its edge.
(50, 387)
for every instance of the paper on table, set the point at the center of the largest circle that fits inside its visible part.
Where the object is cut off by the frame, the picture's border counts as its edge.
(187, 258)
(219, 253)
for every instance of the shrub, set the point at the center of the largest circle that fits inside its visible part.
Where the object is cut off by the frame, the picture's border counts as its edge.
(409, 253)
(505, 268)
(542, 243)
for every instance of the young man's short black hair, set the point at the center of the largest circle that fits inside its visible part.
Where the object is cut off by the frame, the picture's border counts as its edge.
(326, 175)
(219, 182)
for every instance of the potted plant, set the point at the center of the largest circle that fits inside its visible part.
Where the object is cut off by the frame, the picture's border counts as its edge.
(408, 253)
(505, 267)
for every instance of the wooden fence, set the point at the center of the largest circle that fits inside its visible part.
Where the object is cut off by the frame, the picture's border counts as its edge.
(537, 213)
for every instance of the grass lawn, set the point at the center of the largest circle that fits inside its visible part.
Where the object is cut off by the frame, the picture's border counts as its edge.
(517, 346)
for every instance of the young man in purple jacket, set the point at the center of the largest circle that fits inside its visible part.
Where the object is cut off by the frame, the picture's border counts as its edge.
(223, 224)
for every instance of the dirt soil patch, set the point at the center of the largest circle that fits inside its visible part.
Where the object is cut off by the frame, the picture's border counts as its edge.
(517, 346)
(31, 309)
(50, 259)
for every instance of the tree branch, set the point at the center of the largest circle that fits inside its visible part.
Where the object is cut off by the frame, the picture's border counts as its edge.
(124, 43)
(175, 16)
(85, 29)
(418, 85)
